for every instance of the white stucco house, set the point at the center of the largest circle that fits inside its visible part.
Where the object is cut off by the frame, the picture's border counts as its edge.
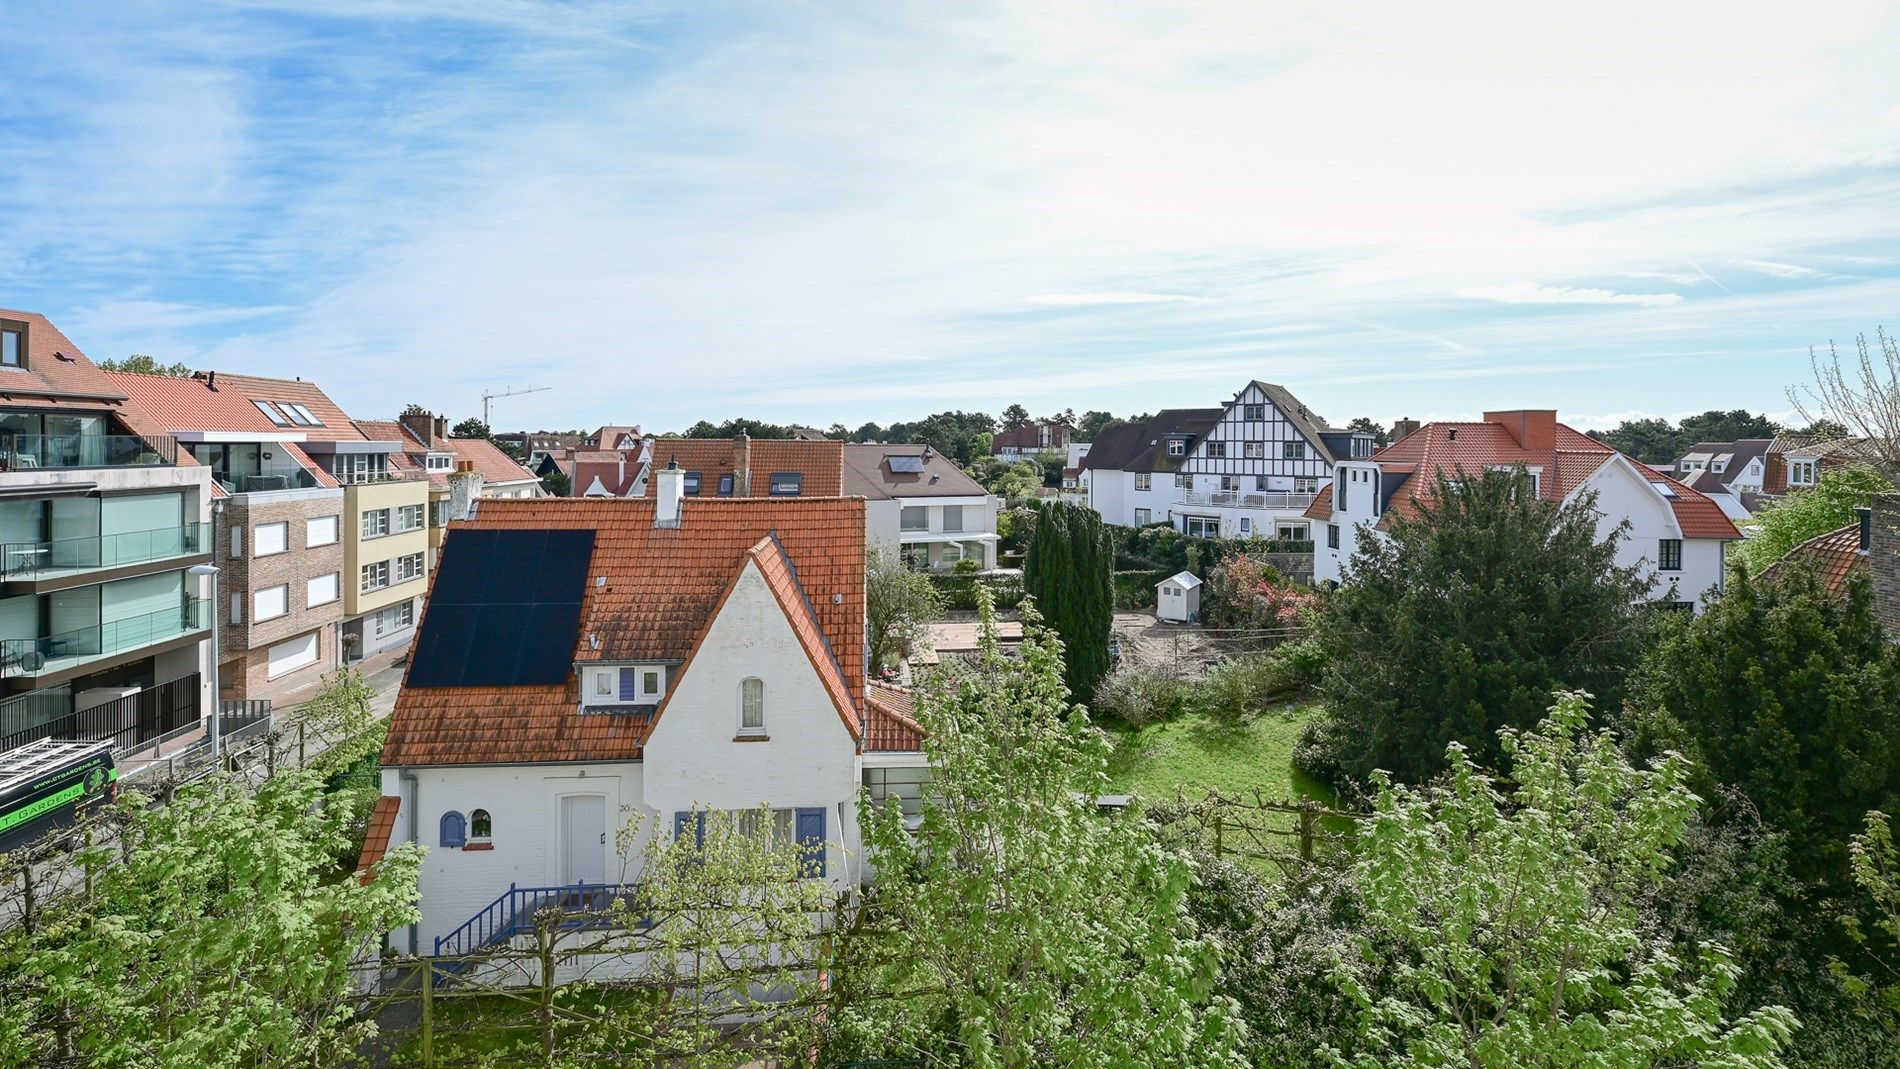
(920, 505)
(589, 668)
(1677, 536)
(1249, 468)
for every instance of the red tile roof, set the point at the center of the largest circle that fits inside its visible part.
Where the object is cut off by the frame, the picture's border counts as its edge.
(336, 424)
(1322, 506)
(1572, 458)
(821, 462)
(663, 586)
(382, 826)
(493, 465)
(208, 403)
(891, 720)
(58, 375)
(1834, 556)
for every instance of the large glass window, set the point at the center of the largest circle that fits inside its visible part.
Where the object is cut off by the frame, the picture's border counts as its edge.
(915, 518)
(12, 347)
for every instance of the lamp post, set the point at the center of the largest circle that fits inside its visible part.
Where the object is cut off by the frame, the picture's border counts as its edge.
(217, 693)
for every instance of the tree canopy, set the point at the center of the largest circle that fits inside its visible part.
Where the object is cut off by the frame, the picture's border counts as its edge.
(899, 605)
(1503, 924)
(1070, 572)
(1658, 441)
(142, 364)
(1022, 926)
(1462, 621)
(1797, 517)
(1788, 693)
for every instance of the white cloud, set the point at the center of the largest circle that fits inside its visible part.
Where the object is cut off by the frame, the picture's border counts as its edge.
(1533, 293)
(1069, 299)
(1781, 270)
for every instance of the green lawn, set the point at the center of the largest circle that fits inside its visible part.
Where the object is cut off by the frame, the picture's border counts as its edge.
(1193, 755)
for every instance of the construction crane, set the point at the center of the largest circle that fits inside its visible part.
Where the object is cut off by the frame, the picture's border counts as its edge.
(487, 397)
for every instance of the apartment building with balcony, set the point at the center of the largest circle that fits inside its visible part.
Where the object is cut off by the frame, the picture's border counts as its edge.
(921, 506)
(459, 471)
(103, 629)
(1249, 468)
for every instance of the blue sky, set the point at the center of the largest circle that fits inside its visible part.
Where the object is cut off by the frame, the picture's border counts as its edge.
(819, 213)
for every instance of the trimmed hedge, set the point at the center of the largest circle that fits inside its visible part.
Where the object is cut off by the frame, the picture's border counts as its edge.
(959, 589)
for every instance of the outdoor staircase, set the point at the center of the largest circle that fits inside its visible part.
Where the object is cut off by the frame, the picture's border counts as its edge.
(585, 906)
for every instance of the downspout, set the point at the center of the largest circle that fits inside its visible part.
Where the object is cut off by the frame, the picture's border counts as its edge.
(414, 803)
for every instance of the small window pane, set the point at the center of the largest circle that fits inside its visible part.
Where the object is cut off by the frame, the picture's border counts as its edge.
(752, 705)
(479, 825)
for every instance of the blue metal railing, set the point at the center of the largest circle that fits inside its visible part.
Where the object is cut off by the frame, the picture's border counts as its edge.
(512, 914)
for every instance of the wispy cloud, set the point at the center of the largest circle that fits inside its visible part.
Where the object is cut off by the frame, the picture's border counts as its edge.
(1113, 297)
(1535, 293)
(1781, 270)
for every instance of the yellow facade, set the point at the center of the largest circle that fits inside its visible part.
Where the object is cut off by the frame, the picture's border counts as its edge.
(360, 550)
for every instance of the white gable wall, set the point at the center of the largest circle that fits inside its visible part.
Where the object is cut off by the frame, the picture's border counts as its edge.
(810, 761)
(1625, 493)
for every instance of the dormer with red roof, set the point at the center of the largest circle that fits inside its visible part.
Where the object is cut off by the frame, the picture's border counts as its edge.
(1677, 535)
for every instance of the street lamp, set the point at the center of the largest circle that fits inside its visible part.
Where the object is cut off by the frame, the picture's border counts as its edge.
(217, 695)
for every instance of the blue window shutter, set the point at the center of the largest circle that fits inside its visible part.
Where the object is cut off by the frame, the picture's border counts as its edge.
(629, 680)
(454, 829)
(811, 839)
(697, 819)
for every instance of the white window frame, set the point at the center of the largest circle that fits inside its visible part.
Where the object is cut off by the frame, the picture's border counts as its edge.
(1144, 480)
(1177, 447)
(439, 462)
(1144, 517)
(1254, 450)
(259, 610)
(375, 576)
(409, 567)
(403, 611)
(406, 518)
(1189, 523)
(1183, 481)
(267, 535)
(310, 591)
(1288, 531)
(375, 523)
(748, 706)
(316, 524)
(1801, 473)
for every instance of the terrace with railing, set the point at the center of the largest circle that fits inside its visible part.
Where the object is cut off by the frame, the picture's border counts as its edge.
(1278, 500)
(80, 646)
(55, 557)
(36, 452)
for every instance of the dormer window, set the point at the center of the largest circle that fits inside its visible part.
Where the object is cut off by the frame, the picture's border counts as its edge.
(788, 483)
(1177, 447)
(692, 483)
(640, 684)
(12, 346)
(440, 461)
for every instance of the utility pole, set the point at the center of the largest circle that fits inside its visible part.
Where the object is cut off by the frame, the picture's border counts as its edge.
(487, 397)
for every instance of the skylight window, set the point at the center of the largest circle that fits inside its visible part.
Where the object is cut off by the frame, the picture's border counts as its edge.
(1664, 489)
(303, 415)
(905, 465)
(271, 413)
(787, 483)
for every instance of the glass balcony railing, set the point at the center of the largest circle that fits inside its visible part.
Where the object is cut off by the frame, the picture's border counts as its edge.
(79, 646)
(39, 560)
(291, 479)
(35, 452)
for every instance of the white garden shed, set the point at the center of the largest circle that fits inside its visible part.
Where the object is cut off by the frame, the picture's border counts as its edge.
(1178, 599)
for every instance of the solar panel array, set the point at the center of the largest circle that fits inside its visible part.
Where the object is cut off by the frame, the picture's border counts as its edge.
(905, 464)
(504, 609)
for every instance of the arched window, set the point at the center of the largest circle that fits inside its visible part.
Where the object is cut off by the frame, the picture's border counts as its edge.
(752, 706)
(454, 829)
(479, 826)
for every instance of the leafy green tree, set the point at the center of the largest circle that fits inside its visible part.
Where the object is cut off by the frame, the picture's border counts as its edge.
(471, 428)
(1657, 441)
(1509, 918)
(1823, 507)
(559, 483)
(142, 364)
(1015, 416)
(218, 934)
(1788, 694)
(899, 605)
(1824, 430)
(1477, 609)
(1089, 427)
(1070, 572)
(733, 428)
(1018, 926)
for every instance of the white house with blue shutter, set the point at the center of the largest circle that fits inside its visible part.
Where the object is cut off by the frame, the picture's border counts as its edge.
(593, 672)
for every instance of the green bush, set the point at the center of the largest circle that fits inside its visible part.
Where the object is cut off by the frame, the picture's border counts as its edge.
(1136, 590)
(1137, 695)
(1239, 689)
(959, 589)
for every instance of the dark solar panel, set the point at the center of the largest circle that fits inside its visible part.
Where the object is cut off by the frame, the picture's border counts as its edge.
(504, 609)
(905, 465)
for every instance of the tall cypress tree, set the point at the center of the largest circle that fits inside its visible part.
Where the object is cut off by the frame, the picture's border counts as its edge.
(1069, 570)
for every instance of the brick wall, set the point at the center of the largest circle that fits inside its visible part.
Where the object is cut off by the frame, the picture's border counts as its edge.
(1883, 557)
(245, 645)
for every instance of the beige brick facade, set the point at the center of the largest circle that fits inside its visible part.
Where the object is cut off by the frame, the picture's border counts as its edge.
(245, 645)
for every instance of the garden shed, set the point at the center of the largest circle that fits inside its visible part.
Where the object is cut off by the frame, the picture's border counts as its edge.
(1178, 599)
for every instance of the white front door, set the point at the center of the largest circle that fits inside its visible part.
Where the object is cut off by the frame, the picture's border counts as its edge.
(583, 838)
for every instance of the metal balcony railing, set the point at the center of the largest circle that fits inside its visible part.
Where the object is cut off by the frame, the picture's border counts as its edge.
(69, 649)
(1266, 499)
(29, 560)
(293, 479)
(35, 452)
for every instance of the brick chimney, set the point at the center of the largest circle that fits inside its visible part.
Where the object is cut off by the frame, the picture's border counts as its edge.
(418, 421)
(1883, 560)
(1534, 428)
(742, 465)
(1403, 427)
